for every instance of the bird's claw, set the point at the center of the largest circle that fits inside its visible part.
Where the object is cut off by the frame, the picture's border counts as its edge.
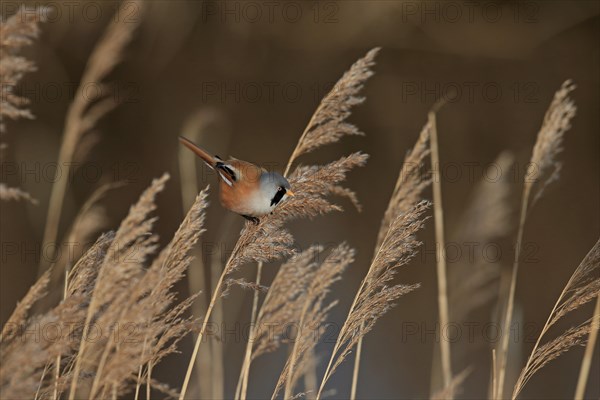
(254, 220)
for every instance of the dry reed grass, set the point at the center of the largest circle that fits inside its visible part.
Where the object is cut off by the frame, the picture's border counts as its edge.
(396, 246)
(329, 122)
(582, 287)
(119, 282)
(21, 311)
(412, 180)
(312, 316)
(17, 31)
(375, 296)
(544, 168)
(109, 290)
(281, 305)
(83, 114)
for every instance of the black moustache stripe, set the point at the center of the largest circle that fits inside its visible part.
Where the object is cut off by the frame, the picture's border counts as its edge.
(277, 198)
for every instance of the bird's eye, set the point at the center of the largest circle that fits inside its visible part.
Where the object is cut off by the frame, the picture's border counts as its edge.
(280, 189)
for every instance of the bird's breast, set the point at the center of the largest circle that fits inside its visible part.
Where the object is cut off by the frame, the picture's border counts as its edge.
(244, 199)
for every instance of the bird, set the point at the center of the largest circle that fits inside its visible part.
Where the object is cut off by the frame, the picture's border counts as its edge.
(244, 188)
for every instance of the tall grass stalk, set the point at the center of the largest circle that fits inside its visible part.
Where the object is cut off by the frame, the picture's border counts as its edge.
(207, 366)
(441, 267)
(586, 363)
(356, 369)
(138, 382)
(217, 347)
(215, 296)
(58, 357)
(251, 338)
(503, 350)
(242, 387)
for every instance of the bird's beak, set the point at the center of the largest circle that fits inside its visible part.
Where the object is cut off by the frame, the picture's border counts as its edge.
(290, 193)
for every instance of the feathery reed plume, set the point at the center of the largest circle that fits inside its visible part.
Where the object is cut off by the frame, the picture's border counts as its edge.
(118, 272)
(83, 114)
(79, 283)
(375, 297)
(110, 289)
(544, 165)
(441, 268)
(313, 314)
(412, 180)
(15, 194)
(88, 221)
(544, 168)
(20, 314)
(314, 183)
(147, 308)
(16, 31)
(91, 213)
(82, 277)
(91, 219)
(582, 287)
(487, 217)
(25, 357)
(328, 123)
(284, 299)
(586, 363)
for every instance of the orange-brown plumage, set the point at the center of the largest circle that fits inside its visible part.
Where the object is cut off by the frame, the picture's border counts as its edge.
(235, 197)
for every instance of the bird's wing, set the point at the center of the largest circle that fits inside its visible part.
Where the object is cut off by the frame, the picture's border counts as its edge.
(230, 171)
(227, 172)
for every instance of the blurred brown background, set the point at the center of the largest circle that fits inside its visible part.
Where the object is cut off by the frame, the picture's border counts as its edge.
(255, 71)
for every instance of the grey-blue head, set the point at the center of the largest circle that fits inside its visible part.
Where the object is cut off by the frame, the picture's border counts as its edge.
(275, 187)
